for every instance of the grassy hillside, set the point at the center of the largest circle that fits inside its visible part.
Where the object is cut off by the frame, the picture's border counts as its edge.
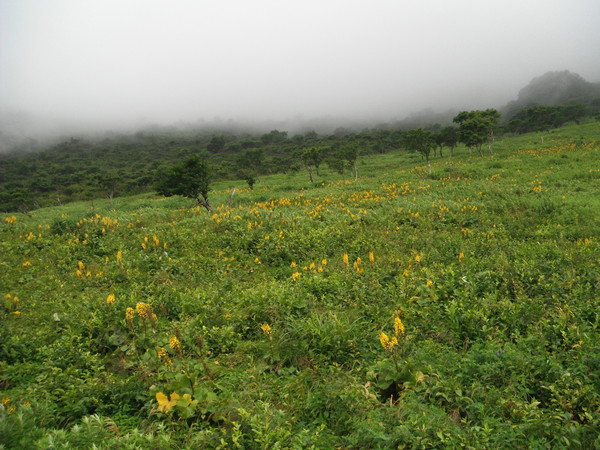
(401, 309)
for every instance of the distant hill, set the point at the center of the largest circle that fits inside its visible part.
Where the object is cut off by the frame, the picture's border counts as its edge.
(562, 88)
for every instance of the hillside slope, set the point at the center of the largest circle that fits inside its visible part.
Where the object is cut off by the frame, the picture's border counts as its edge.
(400, 309)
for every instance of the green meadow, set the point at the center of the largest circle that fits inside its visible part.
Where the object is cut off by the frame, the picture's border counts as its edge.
(400, 309)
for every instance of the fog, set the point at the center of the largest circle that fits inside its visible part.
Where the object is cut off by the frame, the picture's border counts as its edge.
(115, 63)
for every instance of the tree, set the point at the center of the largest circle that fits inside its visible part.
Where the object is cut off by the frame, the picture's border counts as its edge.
(274, 137)
(216, 144)
(421, 141)
(476, 128)
(349, 155)
(447, 137)
(189, 179)
(109, 183)
(308, 157)
(249, 164)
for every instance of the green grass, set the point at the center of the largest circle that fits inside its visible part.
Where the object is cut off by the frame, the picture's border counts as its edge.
(491, 264)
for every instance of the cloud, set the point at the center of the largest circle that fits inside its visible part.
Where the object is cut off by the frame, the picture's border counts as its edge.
(170, 60)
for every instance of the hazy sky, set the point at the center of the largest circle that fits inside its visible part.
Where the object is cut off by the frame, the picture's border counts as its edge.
(170, 60)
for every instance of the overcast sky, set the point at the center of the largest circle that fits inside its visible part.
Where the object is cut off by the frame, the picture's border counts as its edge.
(170, 60)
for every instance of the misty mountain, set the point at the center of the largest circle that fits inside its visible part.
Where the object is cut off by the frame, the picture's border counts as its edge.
(561, 88)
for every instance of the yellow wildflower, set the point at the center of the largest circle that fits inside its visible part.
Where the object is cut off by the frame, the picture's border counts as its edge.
(175, 344)
(16, 313)
(461, 256)
(164, 356)
(266, 328)
(129, 315)
(429, 283)
(371, 258)
(110, 299)
(418, 258)
(357, 265)
(345, 258)
(398, 326)
(26, 264)
(293, 264)
(144, 310)
(323, 262)
(384, 339)
(120, 256)
(295, 276)
(80, 265)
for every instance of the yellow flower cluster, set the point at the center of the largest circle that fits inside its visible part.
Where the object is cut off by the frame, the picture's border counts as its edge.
(163, 355)
(175, 344)
(144, 310)
(358, 265)
(389, 344)
(155, 242)
(6, 402)
(398, 326)
(266, 328)
(129, 315)
(83, 272)
(11, 220)
(110, 299)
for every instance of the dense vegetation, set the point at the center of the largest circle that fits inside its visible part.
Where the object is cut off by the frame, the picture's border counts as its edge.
(85, 169)
(389, 308)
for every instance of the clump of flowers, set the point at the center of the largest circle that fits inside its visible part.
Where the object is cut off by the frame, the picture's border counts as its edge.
(266, 328)
(389, 344)
(398, 326)
(163, 355)
(129, 312)
(358, 265)
(175, 344)
(144, 310)
(345, 259)
(6, 402)
(110, 299)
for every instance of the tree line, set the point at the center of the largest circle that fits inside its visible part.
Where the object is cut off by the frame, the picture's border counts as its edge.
(84, 169)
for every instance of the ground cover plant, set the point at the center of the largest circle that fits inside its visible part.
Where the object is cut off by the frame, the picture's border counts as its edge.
(396, 309)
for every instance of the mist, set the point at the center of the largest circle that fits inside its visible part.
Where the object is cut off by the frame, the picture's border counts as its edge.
(83, 64)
